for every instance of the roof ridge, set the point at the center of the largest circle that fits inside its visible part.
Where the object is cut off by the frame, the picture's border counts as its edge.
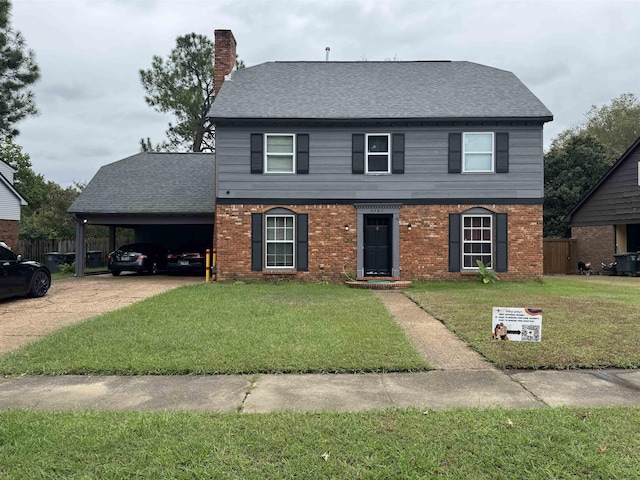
(366, 61)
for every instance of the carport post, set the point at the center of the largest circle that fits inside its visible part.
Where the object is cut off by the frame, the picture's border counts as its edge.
(80, 247)
(112, 238)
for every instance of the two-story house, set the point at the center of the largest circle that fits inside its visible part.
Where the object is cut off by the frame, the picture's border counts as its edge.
(408, 170)
(11, 203)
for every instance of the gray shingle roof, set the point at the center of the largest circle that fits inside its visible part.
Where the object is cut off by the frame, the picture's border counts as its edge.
(379, 90)
(151, 183)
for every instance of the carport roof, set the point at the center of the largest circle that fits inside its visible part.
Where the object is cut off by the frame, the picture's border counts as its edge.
(151, 183)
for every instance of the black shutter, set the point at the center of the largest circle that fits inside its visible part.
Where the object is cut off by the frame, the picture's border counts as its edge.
(302, 242)
(502, 152)
(302, 153)
(257, 157)
(455, 152)
(397, 156)
(454, 242)
(256, 241)
(502, 244)
(357, 153)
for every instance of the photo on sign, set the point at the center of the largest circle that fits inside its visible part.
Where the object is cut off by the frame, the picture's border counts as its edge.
(517, 324)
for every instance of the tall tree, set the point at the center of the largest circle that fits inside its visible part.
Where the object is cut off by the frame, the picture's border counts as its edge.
(18, 70)
(51, 219)
(31, 185)
(572, 166)
(616, 125)
(579, 156)
(183, 85)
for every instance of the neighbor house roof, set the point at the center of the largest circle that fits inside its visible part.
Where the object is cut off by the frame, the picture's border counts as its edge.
(151, 183)
(375, 90)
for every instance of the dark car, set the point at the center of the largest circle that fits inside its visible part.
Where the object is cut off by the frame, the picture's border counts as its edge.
(187, 259)
(138, 257)
(21, 277)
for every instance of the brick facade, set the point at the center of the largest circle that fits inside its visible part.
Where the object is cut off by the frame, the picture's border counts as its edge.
(595, 244)
(9, 230)
(424, 250)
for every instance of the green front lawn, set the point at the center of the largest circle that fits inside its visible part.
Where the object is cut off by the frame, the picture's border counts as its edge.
(225, 328)
(587, 322)
(388, 444)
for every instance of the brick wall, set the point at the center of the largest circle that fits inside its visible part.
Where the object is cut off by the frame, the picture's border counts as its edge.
(424, 250)
(9, 230)
(594, 244)
(224, 57)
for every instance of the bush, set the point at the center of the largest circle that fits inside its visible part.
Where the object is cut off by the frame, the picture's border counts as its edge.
(67, 268)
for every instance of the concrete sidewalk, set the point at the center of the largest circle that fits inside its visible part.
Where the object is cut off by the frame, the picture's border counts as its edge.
(438, 389)
(462, 379)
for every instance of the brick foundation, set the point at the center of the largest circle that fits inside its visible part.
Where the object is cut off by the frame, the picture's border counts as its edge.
(9, 231)
(424, 250)
(595, 244)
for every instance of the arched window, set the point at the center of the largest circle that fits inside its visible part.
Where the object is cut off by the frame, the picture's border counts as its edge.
(279, 243)
(477, 238)
(478, 234)
(279, 240)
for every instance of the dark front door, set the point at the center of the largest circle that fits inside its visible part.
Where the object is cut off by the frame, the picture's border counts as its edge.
(377, 245)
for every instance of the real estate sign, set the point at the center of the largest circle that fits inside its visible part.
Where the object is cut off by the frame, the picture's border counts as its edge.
(517, 324)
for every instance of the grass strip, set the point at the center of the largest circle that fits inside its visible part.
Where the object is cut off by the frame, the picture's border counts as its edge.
(388, 444)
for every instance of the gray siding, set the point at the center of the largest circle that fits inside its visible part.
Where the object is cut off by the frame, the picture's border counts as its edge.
(617, 200)
(426, 174)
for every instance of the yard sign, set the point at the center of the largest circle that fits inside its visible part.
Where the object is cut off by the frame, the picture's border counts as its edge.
(517, 324)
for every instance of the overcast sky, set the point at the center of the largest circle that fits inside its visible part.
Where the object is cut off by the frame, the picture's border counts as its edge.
(571, 54)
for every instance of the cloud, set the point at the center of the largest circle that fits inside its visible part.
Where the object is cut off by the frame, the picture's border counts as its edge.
(571, 54)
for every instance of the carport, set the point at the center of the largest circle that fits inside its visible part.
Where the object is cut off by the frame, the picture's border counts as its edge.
(166, 198)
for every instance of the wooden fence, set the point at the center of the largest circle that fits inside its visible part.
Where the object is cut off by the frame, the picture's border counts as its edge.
(36, 249)
(559, 255)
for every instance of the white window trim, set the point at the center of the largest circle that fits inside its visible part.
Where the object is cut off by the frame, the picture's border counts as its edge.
(267, 242)
(293, 154)
(463, 241)
(367, 153)
(492, 152)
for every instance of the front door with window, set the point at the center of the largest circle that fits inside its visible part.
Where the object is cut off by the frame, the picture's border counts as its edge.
(377, 245)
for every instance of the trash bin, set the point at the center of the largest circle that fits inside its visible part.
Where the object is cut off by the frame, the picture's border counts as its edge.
(53, 260)
(94, 259)
(627, 263)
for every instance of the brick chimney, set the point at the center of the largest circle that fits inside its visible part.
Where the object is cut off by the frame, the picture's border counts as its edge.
(224, 56)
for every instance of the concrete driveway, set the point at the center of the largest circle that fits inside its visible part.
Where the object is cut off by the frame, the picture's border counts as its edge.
(24, 320)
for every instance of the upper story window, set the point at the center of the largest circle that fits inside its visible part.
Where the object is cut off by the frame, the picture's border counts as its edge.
(477, 154)
(280, 233)
(378, 153)
(477, 241)
(279, 153)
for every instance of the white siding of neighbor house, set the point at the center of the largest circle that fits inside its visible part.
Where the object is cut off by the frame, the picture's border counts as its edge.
(7, 171)
(9, 204)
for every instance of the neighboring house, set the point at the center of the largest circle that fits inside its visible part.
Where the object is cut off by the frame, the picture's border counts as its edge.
(410, 170)
(607, 220)
(10, 203)
(164, 197)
